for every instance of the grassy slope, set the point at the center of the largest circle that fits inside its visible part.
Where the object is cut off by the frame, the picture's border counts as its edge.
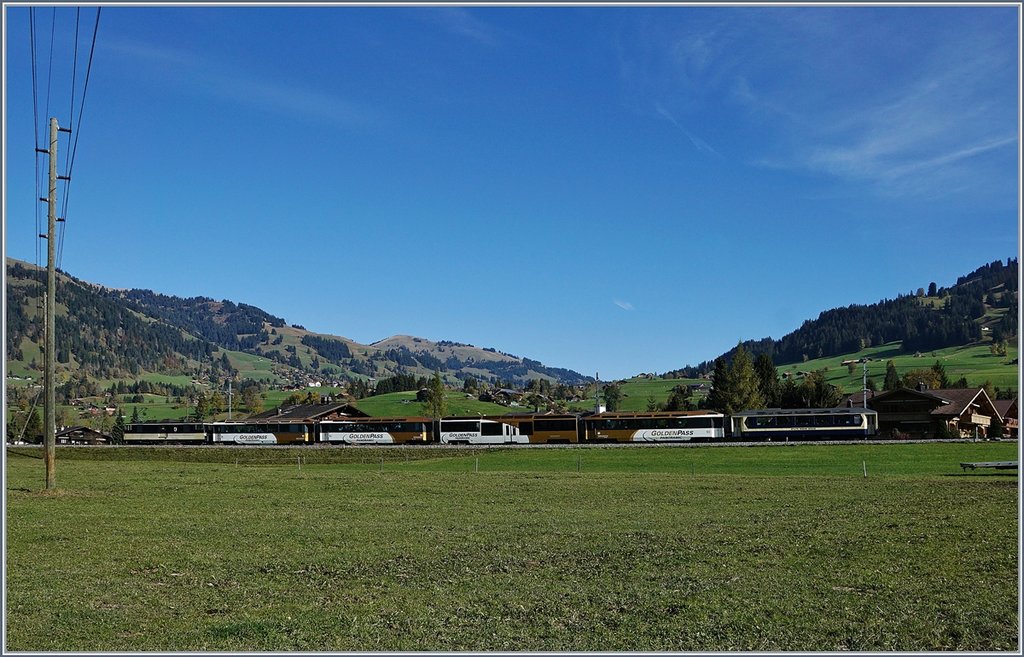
(975, 362)
(636, 392)
(719, 548)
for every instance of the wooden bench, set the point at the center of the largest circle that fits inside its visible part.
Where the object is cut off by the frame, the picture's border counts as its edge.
(998, 465)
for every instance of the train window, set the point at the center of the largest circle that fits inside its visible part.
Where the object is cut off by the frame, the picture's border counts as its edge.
(461, 426)
(526, 428)
(552, 425)
(491, 428)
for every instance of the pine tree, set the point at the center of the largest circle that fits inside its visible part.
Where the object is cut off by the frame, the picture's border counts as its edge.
(735, 385)
(768, 380)
(718, 398)
(892, 378)
(117, 433)
(940, 373)
(679, 400)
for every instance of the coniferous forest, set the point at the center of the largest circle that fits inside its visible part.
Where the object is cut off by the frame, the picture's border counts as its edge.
(924, 320)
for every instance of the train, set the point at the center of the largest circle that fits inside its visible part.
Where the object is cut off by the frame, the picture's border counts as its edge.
(763, 425)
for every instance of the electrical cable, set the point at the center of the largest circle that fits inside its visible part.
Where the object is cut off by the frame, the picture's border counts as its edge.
(35, 121)
(77, 134)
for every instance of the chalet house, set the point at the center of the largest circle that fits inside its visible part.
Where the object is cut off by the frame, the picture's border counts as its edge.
(309, 413)
(81, 436)
(1009, 413)
(924, 413)
(504, 396)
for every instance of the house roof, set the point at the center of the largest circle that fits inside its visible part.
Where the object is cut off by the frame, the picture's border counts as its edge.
(949, 402)
(306, 412)
(960, 399)
(857, 399)
(80, 431)
(1005, 407)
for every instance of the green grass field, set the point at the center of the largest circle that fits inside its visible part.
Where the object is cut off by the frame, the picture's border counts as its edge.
(637, 391)
(576, 549)
(975, 362)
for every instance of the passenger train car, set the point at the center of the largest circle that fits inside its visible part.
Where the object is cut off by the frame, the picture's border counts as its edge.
(377, 431)
(804, 424)
(260, 433)
(479, 431)
(663, 427)
(681, 426)
(165, 433)
(546, 429)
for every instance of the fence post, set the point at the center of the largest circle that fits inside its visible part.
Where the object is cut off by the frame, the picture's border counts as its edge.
(865, 464)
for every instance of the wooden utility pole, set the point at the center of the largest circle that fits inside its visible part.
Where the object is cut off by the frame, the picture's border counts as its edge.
(50, 341)
(49, 382)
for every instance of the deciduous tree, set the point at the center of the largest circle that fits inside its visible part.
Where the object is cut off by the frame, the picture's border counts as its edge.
(612, 396)
(436, 406)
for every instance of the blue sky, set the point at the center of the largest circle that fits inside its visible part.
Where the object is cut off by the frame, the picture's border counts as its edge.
(609, 189)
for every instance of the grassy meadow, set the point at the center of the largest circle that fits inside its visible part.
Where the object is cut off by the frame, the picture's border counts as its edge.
(583, 548)
(974, 362)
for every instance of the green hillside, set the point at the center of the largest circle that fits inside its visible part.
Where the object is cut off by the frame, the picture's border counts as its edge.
(976, 363)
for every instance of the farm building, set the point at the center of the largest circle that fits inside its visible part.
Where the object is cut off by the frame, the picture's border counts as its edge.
(923, 413)
(1009, 413)
(79, 435)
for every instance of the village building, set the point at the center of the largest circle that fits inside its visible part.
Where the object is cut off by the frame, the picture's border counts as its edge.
(80, 435)
(1009, 413)
(923, 413)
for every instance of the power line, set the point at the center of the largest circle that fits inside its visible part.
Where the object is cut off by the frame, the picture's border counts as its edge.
(49, 72)
(74, 74)
(77, 133)
(35, 118)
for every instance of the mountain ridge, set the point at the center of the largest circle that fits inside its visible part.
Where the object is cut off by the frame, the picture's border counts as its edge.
(217, 331)
(122, 333)
(983, 301)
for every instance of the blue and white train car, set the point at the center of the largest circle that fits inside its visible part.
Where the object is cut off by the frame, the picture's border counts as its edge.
(804, 424)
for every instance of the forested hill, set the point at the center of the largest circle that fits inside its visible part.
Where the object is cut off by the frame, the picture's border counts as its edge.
(931, 318)
(239, 327)
(105, 333)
